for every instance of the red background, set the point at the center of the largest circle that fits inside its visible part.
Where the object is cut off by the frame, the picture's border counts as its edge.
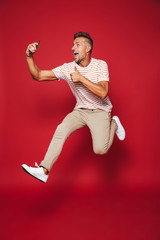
(115, 196)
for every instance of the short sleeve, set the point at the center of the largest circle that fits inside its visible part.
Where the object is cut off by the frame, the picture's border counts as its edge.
(60, 72)
(103, 72)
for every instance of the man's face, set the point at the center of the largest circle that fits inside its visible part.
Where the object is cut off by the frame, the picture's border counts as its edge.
(80, 49)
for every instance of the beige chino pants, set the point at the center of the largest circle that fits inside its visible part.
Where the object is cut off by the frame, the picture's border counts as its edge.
(101, 126)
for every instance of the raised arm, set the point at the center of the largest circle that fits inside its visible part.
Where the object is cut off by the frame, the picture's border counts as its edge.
(36, 73)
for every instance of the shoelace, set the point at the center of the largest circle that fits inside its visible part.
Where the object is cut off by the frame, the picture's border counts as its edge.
(36, 164)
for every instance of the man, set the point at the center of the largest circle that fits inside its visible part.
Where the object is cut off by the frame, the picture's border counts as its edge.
(88, 79)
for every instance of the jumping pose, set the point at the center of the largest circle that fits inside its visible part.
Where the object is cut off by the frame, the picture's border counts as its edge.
(88, 79)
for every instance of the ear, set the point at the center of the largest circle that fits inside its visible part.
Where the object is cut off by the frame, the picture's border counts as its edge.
(88, 49)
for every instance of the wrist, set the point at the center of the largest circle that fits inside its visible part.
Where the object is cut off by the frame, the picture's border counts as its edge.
(82, 79)
(28, 56)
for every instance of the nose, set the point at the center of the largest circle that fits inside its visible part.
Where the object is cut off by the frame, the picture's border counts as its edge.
(73, 48)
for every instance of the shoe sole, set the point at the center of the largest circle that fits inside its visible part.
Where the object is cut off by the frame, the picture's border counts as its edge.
(122, 128)
(32, 175)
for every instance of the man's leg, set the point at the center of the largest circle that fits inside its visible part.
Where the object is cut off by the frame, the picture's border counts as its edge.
(102, 129)
(71, 123)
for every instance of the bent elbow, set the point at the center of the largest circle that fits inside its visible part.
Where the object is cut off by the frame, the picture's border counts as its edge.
(36, 77)
(104, 95)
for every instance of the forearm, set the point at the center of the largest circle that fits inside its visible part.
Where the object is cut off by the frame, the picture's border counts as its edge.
(99, 89)
(32, 67)
(36, 73)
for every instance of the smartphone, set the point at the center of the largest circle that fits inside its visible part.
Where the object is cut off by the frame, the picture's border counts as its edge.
(36, 47)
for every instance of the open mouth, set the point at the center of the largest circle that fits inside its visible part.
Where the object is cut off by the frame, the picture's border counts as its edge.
(75, 54)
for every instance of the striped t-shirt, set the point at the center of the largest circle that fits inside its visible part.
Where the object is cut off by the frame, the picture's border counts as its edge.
(96, 71)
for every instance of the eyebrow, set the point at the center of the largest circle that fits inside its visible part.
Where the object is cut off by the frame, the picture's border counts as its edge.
(75, 43)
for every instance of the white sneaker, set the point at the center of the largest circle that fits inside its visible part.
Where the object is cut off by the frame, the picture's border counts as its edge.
(36, 172)
(120, 130)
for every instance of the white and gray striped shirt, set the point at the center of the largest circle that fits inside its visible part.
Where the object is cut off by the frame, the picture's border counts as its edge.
(96, 71)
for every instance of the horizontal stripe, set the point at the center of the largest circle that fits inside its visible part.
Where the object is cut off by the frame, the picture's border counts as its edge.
(96, 71)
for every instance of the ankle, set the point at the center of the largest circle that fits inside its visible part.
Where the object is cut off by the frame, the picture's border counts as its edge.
(45, 171)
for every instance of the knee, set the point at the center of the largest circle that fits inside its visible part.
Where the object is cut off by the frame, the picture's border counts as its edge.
(101, 150)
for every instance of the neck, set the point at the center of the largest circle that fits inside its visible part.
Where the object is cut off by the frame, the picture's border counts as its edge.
(85, 62)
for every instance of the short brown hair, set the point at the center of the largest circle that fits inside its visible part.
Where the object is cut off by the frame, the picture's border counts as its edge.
(85, 35)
